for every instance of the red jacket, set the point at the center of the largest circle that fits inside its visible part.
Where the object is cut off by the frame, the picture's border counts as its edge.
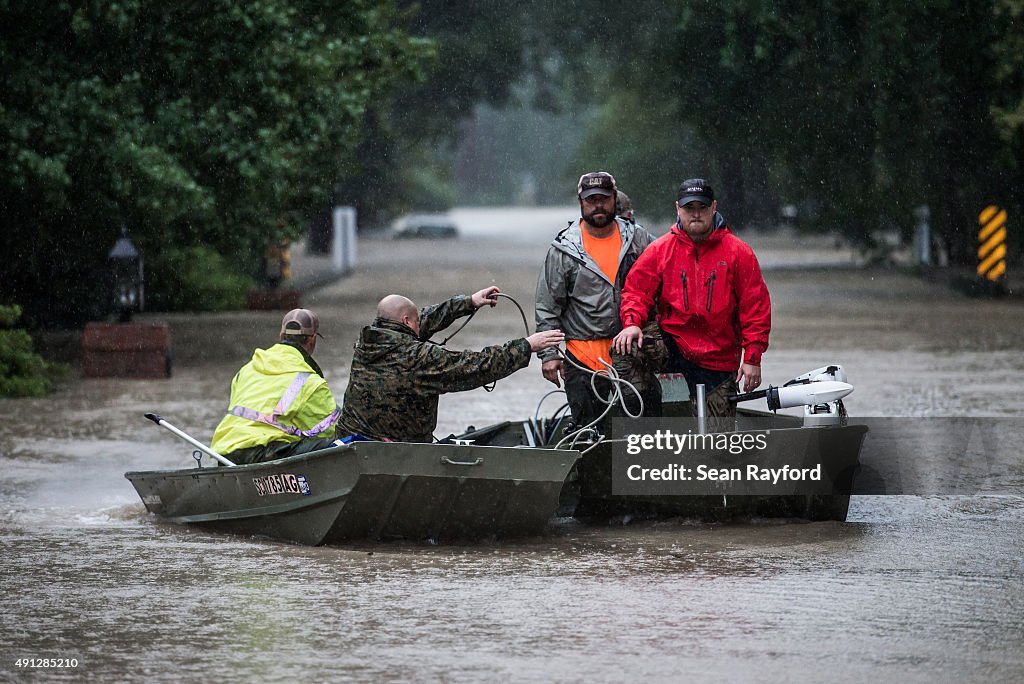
(711, 297)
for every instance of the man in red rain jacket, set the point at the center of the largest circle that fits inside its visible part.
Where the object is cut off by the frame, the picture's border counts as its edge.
(712, 302)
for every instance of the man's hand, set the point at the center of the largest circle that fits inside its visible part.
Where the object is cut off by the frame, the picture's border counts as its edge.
(748, 377)
(543, 340)
(486, 297)
(623, 342)
(553, 370)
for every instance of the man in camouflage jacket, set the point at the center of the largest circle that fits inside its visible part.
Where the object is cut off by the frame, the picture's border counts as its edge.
(398, 374)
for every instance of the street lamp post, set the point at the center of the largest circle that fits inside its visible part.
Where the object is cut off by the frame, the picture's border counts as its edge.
(128, 276)
(126, 349)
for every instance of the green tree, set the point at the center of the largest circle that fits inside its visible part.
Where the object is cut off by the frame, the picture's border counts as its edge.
(405, 157)
(1009, 57)
(23, 373)
(192, 124)
(1008, 103)
(857, 112)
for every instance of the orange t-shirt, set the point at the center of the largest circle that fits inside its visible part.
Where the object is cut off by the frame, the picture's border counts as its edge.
(605, 251)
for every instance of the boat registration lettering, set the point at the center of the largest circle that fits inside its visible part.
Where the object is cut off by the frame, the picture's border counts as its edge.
(282, 483)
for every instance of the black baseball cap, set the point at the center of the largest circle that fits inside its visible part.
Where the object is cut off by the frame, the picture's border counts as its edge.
(696, 190)
(596, 183)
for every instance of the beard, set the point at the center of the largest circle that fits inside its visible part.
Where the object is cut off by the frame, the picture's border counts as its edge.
(598, 218)
(697, 230)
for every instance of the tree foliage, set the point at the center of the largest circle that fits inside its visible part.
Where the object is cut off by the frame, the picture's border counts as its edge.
(217, 124)
(404, 162)
(1008, 48)
(211, 129)
(23, 373)
(856, 112)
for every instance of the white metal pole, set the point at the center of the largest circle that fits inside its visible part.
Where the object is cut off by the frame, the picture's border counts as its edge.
(188, 438)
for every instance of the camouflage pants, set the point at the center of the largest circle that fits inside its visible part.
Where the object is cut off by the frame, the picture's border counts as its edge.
(276, 450)
(657, 355)
(640, 368)
(717, 400)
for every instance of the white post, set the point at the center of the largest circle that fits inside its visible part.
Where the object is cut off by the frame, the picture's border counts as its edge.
(922, 236)
(343, 249)
(702, 410)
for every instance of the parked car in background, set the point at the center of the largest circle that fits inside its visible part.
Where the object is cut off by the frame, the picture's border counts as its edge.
(430, 226)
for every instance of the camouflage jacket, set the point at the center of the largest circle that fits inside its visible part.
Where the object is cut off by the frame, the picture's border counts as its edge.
(396, 377)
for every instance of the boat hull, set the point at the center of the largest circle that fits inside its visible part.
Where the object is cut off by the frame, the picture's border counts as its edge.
(369, 490)
(589, 491)
(836, 448)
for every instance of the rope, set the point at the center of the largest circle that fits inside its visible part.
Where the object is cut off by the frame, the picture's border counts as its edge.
(608, 372)
(616, 397)
(459, 329)
(491, 386)
(470, 317)
(521, 312)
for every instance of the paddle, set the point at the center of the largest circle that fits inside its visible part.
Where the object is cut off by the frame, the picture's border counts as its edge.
(188, 438)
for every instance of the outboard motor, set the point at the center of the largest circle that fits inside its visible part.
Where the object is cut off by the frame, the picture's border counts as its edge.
(827, 409)
(819, 391)
(834, 372)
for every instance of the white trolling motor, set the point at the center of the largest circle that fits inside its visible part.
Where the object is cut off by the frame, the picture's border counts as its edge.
(819, 391)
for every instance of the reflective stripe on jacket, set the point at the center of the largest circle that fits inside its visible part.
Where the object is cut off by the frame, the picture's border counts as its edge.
(711, 297)
(574, 295)
(276, 397)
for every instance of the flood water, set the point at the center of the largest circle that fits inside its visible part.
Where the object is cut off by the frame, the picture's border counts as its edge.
(910, 589)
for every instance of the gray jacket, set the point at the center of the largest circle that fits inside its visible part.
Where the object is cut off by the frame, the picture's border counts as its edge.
(574, 295)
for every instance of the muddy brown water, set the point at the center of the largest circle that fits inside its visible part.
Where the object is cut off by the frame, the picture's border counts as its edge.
(910, 589)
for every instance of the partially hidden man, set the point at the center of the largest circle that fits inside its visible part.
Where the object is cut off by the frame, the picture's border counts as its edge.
(398, 373)
(280, 403)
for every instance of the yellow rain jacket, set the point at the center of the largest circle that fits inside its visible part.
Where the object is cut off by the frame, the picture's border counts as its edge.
(279, 396)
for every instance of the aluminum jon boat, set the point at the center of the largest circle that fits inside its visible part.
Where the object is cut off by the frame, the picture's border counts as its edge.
(369, 491)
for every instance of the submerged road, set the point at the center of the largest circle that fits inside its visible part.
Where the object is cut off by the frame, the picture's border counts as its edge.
(911, 589)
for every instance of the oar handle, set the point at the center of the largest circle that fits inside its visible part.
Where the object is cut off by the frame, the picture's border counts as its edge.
(189, 438)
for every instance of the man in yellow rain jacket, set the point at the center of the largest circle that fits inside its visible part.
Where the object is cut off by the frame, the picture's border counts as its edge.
(280, 403)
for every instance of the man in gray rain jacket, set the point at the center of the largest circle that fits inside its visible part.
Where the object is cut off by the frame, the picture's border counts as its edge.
(578, 292)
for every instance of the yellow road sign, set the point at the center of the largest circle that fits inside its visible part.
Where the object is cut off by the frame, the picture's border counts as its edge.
(992, 243)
